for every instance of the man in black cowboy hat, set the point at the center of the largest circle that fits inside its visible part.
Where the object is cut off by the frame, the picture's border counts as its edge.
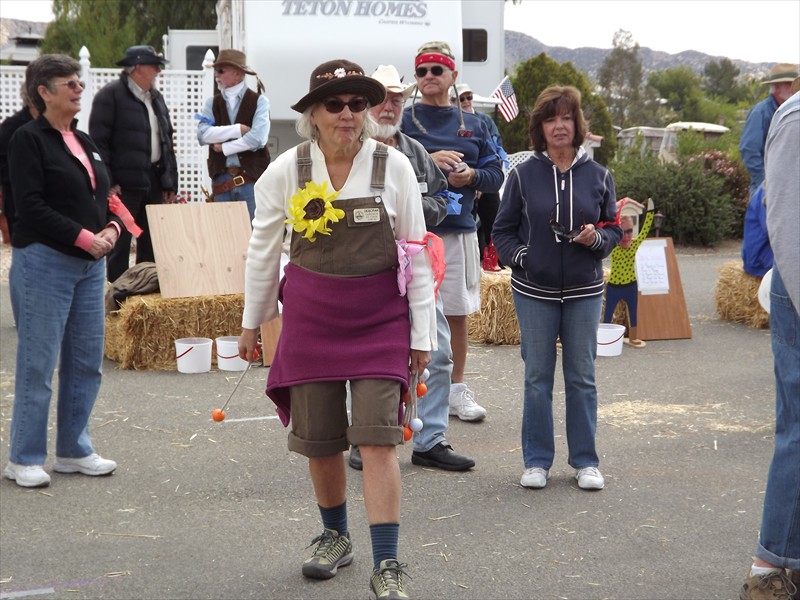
(130, 124)
(235, 125)
(754, 133)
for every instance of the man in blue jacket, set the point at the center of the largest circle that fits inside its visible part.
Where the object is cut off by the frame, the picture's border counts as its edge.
(460, 145)
(754, 134)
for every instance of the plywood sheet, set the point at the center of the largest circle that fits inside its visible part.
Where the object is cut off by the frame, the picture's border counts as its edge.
(200, 248)
(664, 316)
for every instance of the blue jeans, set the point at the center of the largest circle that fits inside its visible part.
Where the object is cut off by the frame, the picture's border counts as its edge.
(244, 193)
(434, 407)
(779, 543)
(59, 302)
(541, 323)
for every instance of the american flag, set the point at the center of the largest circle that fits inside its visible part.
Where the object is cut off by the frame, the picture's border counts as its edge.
(508, 99)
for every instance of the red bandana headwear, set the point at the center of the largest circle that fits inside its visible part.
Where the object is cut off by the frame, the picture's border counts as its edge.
(438, 52)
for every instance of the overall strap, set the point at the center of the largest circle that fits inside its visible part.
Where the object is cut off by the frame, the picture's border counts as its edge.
(379, 166)
(303, 164)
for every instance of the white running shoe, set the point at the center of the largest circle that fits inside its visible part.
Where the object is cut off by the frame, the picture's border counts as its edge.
(535, 477)
(590, 478)
(27, 475)
(92, 465)
(463, 405)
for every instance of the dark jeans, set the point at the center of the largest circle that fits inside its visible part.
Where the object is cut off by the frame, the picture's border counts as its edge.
(136, 200)
(487, 211)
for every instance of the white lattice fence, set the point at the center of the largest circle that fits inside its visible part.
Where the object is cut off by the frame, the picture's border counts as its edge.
(184, 93)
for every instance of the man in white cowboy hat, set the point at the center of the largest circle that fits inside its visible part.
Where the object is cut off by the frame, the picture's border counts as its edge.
(460, 145)
(430, 446)
(235, 125)
(754, 133)
(131, 126)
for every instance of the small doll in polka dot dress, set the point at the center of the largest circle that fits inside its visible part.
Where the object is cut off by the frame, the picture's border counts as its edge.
(621, 284)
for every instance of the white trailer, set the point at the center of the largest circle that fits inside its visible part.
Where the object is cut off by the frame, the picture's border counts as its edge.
(284, 40)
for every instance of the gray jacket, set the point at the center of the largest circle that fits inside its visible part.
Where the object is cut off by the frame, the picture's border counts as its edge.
(431, 179)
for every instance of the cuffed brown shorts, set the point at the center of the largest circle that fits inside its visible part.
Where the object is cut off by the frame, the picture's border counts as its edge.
(319, 416)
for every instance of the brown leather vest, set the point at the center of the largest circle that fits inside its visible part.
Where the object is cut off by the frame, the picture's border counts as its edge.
(254, 162)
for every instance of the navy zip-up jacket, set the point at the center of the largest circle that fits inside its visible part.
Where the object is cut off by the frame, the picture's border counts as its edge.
(53, 193)
(543, 266)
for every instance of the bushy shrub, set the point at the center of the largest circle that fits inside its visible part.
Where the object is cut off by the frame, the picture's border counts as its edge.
(696, 207)
(735, 181)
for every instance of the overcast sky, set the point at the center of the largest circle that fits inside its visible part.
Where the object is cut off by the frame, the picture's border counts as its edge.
(752, 30)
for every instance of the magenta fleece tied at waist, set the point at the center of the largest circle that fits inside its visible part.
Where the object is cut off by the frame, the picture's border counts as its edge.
(336, 329)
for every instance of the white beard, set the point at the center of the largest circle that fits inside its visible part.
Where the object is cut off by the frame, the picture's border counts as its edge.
(386, 132)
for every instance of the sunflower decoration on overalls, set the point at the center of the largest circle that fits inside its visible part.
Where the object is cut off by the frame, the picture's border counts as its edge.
(311, 209)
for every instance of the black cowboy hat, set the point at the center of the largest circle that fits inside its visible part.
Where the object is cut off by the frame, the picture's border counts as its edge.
(340, 76)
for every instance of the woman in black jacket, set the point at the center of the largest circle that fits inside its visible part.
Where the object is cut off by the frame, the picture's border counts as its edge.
(63, 233)
(548, 230)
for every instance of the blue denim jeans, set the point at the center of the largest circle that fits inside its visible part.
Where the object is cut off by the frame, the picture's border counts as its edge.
(244, 193)
(779, 543)
(434, 407)
(541, 323)
(59, 302)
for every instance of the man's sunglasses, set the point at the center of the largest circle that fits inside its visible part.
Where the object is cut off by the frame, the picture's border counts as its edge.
(466, 98)
(73, 84)
(436, 71)
(562, 232)
(335, 105)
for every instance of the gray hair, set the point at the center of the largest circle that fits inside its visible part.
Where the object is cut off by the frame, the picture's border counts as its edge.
(43, 70)
(308, 131)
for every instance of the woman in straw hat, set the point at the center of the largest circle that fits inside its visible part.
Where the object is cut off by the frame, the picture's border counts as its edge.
(350, 207)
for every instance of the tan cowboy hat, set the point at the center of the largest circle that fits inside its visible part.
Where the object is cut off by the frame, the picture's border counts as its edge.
(782, 73)
(234, 58)
(340, 76)
(391, 80)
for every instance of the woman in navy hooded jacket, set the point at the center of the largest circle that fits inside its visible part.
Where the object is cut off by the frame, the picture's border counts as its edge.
(548, 229)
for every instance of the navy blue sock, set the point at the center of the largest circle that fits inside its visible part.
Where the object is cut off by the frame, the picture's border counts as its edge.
(335, 518)
(384, 541)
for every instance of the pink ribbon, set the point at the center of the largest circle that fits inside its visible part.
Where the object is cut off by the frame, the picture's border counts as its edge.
(405, 250)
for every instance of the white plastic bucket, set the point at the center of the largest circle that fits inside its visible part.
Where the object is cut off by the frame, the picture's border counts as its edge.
(228, 354)
(193, 355)
(609, 339)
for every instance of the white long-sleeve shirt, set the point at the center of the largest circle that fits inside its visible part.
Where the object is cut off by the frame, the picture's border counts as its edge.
(401, 200)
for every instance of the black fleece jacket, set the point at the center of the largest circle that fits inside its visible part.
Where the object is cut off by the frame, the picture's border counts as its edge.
(53, 193)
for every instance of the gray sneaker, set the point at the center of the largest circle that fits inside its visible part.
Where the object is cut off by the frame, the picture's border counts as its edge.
(386, 582)
(331, 551)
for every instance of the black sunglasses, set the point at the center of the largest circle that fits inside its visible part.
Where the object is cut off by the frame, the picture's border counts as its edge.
(561, 231)
(335, 105)
(436, 70)
(466, 97)
(627, 231)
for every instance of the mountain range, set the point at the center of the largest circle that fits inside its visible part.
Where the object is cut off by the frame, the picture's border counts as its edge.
(519, 48)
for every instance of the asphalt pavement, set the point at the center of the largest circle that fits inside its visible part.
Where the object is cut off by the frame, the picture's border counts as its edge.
(198, 509)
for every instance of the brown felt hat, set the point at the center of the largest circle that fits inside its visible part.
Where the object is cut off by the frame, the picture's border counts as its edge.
(234, 58)
(340, 76)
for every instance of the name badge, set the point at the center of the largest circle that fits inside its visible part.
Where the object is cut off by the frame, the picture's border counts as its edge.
(367, 215)
(423, 187)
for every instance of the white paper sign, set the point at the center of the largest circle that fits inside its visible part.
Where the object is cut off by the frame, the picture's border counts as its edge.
(651, 267)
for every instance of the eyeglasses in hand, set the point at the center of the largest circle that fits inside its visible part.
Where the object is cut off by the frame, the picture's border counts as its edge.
(562, 232)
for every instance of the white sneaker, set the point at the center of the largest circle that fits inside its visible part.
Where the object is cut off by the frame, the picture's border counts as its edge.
(27, 475)
(93, 465)
(535, 477)
(463, 405)
(590, 478)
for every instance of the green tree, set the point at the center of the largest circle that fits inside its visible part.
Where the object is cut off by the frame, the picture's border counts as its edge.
(620, 77)
(107, 27)
(680, 86)
(533, 76)
(721, 79)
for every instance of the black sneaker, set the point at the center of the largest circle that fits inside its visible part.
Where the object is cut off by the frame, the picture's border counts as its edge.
(354, 460)
(330, 552)
(442, 456)
(386, 582)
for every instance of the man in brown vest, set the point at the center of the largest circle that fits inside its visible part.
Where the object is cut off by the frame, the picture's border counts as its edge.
(235, 125)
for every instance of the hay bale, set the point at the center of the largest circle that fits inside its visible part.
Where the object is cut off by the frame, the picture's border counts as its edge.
(142, 334)
(496, 323)
(737, 296)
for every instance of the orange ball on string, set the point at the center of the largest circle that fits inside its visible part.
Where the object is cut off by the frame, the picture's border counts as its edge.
(218, 415)
(422, 389)
(407, 433)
